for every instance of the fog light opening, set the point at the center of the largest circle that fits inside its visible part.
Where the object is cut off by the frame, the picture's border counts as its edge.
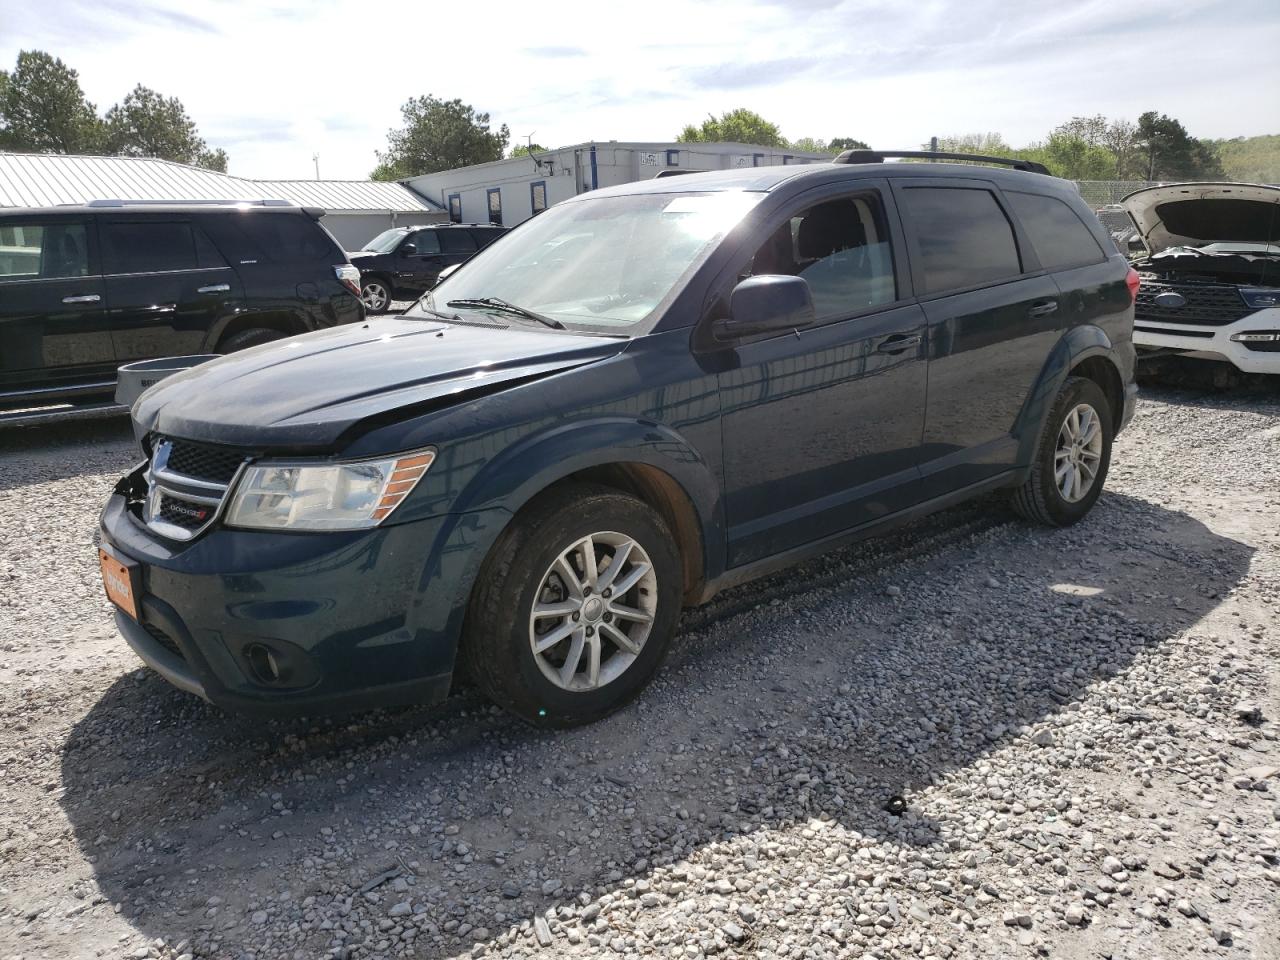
(263, 663)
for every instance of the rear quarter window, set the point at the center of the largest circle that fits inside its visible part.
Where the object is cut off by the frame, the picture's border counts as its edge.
(456, 241)
(964, 238)
(1061, 239)
(273, 237)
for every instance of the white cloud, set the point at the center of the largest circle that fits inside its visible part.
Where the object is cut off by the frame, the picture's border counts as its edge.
(275, 83)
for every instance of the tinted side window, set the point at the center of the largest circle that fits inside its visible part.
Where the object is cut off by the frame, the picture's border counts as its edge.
(207, 254)
(841, 248)
(1060, 237)
(425, 242)
(485, 237)
(34, 251)
(145, 246)
(964, 237)
(456, 241)
(289, 237)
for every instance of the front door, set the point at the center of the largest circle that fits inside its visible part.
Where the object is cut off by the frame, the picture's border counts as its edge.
(53, 329)
(166, 286)
(822, 427)
(994, 317)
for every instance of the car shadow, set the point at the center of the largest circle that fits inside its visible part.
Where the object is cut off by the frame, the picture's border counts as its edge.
(62, 449)
(819, 694)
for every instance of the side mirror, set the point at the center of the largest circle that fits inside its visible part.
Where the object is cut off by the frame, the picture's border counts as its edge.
(447, 271)
(408, 250)
(766, 304)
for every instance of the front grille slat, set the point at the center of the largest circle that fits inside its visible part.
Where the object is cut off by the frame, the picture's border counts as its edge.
(1207, 304)
(188, 483)
(204, 462)
(162, 638)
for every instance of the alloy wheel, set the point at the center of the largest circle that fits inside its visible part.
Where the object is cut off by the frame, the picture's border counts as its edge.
(375, 296)
(1078, 453)
(593, 611)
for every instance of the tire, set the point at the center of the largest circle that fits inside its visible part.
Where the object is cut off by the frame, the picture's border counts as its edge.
(245, 339)
(1041, 498)
(498, 640)
(375, 293)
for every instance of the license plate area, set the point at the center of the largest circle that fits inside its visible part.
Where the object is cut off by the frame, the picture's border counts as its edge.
(122, 580)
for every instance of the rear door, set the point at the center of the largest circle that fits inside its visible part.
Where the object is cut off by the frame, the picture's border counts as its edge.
(993, 317)
(53, 328)
(166, 285)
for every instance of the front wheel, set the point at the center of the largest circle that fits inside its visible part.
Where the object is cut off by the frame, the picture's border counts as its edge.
(1071, 458)
(574, 608)
(376, 295)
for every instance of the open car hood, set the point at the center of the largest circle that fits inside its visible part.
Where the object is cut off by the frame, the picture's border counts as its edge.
(1191, 214)
(312, 392)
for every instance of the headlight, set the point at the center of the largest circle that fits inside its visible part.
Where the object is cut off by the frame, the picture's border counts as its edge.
(328, 496)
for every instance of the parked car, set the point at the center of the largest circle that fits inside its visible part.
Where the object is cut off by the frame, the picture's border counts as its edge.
(85, 289)
(525, 477)
(403, 263)
(1211, 274)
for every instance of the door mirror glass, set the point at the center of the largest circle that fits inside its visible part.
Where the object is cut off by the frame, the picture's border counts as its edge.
(408, 250)
(447, 270)
(766, 304)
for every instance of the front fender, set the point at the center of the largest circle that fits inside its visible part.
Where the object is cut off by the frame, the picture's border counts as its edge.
(1077, 344)
(520, 472)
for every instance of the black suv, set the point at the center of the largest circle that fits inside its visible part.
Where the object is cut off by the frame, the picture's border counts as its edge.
(84, 289)
(403, 263)
(640, 397)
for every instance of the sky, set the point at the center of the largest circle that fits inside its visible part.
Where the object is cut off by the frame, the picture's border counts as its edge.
(274, 83)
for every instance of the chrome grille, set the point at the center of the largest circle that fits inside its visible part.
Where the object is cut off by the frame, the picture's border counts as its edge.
(187, 484)
(1206, 304)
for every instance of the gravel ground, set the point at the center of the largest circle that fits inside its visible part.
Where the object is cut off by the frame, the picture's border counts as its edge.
(971, 738)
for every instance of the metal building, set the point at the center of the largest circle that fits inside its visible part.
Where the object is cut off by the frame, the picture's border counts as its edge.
(511, 191)
(357, 210)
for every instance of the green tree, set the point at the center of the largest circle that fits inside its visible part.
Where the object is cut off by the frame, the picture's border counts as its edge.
(988, 144)
(1170, 153)
(1250, 159)
(736, 126)
(525, 149)
(146, 124)
(847, 143)
(809, 145)
(1073, 157)
(439, 135)
(43, 109)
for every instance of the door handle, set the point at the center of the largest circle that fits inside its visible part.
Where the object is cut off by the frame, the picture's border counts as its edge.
(90, 298)
(216, 288)
(898, 343)
(1043, 308)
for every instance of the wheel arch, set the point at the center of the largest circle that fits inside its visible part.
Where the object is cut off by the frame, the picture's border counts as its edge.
(286, 322)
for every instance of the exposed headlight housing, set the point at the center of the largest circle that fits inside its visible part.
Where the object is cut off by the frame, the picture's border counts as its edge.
(303, 495)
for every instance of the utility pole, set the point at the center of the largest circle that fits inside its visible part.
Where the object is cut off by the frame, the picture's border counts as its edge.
(315, 158)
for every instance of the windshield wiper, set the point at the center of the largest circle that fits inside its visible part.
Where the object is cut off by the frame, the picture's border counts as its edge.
(497, 303)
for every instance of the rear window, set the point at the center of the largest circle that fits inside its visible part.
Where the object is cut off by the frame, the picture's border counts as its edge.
(1060, 237)
(456, 241)
(147, 246)
(963, 236)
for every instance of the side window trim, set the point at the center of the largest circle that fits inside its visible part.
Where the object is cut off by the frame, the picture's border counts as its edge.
(719, 289)
(1029, 263)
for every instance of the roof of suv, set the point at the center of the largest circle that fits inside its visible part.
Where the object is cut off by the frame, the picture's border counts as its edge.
(769, 178)
(83, 209)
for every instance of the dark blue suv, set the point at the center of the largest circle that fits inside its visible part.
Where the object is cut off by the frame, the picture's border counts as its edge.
(633, 400)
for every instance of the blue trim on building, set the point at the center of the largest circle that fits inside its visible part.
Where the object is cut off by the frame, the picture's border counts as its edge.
(595, 177)
(533, 204)
(449, 203)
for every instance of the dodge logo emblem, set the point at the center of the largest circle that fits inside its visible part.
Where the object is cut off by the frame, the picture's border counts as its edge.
(1170, 299)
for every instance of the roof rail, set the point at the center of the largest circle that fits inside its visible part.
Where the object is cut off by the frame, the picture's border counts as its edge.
(188, 203)
(878, 156)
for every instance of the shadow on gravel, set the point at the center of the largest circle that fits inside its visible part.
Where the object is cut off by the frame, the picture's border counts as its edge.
(818, 692)
(69, 448)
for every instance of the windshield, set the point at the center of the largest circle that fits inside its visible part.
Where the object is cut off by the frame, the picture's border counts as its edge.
(602, 264)
(384, 242)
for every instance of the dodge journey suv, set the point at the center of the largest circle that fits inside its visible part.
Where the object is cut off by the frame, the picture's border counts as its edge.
(85, 289)
(642, 396)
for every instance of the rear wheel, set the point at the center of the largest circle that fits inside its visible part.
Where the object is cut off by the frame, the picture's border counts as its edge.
(574, 608)
(249, 338)
(376, 294)
(1071, 458)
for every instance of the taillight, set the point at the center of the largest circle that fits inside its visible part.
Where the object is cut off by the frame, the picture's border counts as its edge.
(1133, 282)
(348, 276)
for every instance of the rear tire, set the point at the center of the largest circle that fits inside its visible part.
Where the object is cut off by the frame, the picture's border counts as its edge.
(1072, 457)
(603, 624)
(376, 295)
(249, 338)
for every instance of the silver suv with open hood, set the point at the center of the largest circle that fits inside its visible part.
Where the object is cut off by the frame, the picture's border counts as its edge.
(1211, 273)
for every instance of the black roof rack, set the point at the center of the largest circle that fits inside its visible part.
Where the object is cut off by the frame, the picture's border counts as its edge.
(878, 156)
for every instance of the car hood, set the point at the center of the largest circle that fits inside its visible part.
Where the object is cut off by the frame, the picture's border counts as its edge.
(1189, 214)
(314, 392)
(355, 256)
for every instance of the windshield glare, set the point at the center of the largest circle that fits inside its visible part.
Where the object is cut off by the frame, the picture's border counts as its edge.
(384, 242)
(604, 263)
